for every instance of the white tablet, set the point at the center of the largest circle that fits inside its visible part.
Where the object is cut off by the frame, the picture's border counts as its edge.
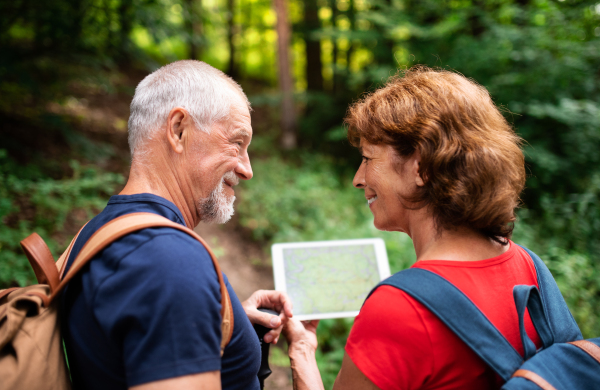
(329, 279)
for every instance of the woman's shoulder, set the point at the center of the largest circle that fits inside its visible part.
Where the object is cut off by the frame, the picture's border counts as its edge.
(389, 341)
(400, 310)
(385, 319)
(399, 344)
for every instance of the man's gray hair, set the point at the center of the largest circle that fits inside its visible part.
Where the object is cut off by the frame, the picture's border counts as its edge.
(205, 92)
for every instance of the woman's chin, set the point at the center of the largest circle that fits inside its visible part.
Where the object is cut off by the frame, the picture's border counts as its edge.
(381, 225)
(386, 225)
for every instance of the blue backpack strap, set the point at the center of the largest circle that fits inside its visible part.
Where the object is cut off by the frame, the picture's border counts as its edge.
(529, 297)
(459, 313)
(563, 325)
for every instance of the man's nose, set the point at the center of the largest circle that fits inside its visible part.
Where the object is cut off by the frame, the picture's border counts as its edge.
(244, 169)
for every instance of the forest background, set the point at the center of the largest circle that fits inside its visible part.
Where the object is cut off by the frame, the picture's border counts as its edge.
(68, 69)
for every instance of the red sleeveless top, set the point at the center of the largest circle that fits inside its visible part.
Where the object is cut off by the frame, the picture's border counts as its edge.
(399, 344)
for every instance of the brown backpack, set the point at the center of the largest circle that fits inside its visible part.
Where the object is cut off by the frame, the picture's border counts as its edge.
(31, 348)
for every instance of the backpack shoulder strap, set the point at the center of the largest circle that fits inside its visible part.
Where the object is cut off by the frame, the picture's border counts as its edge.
(461, 315)
(129, 223)
(563, 325)
(61, 263)
(41, 260)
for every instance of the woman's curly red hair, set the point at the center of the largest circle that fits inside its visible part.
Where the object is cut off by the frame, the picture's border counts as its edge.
(471, 159)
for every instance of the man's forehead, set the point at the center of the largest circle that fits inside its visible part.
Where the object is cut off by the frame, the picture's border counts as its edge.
(240, 109)
(239, 126)
(239, 119)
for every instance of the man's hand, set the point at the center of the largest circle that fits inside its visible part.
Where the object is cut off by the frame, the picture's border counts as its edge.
(269, 299)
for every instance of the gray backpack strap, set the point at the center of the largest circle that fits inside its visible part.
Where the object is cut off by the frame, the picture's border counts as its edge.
(461, 315)
(563, 325)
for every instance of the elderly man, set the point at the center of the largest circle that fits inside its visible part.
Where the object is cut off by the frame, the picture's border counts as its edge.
(145, 313)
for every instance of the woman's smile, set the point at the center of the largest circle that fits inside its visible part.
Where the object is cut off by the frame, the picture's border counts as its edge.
(371, 200)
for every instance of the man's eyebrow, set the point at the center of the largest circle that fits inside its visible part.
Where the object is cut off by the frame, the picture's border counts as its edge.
(240, 133)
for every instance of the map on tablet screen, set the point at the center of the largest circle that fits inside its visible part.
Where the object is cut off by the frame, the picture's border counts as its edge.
(329, 279)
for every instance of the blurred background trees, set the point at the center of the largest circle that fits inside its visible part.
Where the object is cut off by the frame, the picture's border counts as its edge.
(68, 69)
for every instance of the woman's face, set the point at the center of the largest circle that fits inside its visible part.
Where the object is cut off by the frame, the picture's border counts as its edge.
(387, 179)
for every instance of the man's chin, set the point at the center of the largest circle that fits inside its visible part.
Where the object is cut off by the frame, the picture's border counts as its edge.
(217, 213)
(229, 191)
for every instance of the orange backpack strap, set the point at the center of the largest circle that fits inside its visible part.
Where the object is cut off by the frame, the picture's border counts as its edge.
(590, 348)
(41, 261)
(535, 378)
(129, 223)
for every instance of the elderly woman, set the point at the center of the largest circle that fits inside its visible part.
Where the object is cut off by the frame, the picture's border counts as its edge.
(441, 164)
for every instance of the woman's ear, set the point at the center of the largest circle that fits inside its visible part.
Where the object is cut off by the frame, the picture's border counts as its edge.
(416, 168)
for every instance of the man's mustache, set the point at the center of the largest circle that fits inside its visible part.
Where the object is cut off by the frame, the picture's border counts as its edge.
(231, 178)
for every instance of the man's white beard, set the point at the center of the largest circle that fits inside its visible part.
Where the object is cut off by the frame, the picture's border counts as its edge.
(217, 208)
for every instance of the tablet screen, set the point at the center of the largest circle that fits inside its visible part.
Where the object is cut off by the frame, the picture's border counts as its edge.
(329, 279)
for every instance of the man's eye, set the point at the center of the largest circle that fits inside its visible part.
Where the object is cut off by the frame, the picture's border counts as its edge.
(365, 159)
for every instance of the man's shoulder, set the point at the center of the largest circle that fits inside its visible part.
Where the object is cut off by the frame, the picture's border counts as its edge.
(156, 243)
(161, 255)
(152, 296)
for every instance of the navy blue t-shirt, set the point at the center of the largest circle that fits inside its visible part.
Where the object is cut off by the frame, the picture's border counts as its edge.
(148, 308)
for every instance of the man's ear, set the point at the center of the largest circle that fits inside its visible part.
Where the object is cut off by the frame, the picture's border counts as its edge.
(179, 127)
(416, 165)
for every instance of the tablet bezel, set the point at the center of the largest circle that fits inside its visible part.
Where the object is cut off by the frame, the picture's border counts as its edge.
(383, 267)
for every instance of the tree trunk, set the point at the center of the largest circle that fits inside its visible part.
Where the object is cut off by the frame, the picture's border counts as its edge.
(193, 26)
(352, 17)
(232, 67)
(335, 50)
(288, 115)
(125, 20)
(314, 65)
(383, 52)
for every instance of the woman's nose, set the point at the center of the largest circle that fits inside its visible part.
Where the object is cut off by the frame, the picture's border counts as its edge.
(359, 177)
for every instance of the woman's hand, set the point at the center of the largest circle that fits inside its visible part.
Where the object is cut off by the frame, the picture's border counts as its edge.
(302, 338)
(301, 334)
(269, 299)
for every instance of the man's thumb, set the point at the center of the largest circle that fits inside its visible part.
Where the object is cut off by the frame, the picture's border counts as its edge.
(267, 320)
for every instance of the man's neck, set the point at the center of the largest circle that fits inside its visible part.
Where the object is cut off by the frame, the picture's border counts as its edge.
(160, 177)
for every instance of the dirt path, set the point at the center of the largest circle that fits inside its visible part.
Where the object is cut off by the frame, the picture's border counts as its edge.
(248, 269)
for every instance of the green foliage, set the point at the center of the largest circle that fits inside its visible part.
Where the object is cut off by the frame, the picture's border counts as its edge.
(43, 205)
(565, 237)
(287, 202)
(577, 275)
(308, 200)
(332, 336)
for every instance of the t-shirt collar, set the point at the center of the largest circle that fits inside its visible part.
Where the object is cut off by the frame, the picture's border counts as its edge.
(149, 198)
